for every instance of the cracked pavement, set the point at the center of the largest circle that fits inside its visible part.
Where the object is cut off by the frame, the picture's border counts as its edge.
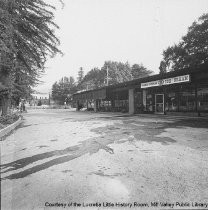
(68, 156)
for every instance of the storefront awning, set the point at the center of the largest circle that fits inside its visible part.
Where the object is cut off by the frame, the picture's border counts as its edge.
(94, 94)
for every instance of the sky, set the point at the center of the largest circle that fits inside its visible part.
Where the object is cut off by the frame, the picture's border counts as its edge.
(94, 31)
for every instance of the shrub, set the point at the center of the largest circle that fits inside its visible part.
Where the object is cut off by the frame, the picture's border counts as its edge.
(8, 119)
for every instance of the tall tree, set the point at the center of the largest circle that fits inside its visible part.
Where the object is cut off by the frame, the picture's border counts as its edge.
(94, 79)
(191, 51)
(22, 86)
(63, 89)
(80, 85)
(139, 71)
(116, 72)
(26, 40)
(80, 75)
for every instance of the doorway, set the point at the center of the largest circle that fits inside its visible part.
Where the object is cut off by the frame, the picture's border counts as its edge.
(159, 103)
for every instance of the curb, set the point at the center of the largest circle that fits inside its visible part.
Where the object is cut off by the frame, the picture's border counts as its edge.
(172, 116)
(8, 129)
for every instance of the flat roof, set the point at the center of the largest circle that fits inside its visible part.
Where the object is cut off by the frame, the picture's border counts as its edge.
(137, 82)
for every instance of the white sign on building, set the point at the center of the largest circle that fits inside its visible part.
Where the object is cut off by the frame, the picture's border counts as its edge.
(168, 81)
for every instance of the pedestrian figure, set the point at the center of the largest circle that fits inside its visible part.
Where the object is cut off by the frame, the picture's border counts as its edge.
(20, 106)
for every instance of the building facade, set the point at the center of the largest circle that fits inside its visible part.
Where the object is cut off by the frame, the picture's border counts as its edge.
(184, 90)
(39, 99)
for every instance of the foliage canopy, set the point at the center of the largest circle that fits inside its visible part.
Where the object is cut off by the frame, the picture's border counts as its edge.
(191, 51)
(115, 72)
(27, 39)
(63, 89)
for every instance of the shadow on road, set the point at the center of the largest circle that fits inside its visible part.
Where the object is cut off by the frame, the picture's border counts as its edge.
(144, 131)
(88, 146)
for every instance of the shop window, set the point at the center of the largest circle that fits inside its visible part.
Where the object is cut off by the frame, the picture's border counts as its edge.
(138, 102)
(105, 105)
(90, 104)
(159, 103)
(187, 101)
(171, 102)
(202, 94)
(121, 105)
(149, 103)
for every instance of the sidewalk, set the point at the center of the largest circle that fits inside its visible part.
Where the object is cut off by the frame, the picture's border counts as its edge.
(178, 115)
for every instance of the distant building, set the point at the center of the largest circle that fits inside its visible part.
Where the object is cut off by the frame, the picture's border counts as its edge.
(39, 99)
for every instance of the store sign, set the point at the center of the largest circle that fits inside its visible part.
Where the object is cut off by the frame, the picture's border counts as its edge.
(168, 81)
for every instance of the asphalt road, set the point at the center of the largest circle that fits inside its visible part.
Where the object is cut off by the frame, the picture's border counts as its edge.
(62, 157)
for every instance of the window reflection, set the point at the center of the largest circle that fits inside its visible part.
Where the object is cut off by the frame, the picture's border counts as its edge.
(202, 94)
(171, 102)
(187, 100)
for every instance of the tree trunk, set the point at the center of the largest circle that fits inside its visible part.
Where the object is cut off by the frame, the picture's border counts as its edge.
(5, 80)
(5, 105)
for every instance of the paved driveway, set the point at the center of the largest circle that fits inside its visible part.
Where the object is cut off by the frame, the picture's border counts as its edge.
(59, 157)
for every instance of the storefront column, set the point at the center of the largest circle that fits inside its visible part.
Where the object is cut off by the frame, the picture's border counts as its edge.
(144, 95)
(131, 101)
(87, 104)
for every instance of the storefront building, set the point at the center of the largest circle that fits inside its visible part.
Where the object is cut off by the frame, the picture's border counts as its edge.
(179, 91)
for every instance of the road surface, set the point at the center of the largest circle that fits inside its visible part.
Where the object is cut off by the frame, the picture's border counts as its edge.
(60, 158)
